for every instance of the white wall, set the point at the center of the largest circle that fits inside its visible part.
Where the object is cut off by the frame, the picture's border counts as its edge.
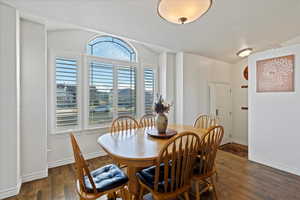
(33, 101)
(274, 118)
(167, 68)
(194, 73)
(292, 41)
(10, 179)
(75, 41)
(179, 88)
(171, 82)
(239, 98)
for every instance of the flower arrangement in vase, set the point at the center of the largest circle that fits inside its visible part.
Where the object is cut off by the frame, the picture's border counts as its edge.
(161, 107)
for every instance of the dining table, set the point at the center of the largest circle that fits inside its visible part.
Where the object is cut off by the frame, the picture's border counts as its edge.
(137, 150)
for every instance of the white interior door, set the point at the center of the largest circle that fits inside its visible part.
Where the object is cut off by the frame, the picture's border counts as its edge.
(221, 107)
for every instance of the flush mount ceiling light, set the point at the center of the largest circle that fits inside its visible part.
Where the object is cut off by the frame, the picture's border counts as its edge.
(182, 11)
(244, 52)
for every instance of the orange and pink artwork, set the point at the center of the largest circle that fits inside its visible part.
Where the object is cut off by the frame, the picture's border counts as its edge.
(275, 74)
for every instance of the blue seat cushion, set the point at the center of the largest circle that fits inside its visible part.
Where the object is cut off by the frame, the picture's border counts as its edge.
(106, 178)
(147, 176)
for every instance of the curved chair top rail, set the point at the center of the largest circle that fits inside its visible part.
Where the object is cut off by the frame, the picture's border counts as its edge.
(123, 123)
(205, 121)
(147, 120)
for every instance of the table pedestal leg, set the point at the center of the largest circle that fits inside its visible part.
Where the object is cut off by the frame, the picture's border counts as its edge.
(133, 184)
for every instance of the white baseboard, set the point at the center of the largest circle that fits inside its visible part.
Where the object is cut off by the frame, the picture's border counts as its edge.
(70, 160)
(35, 176)
(12, 191)
(274, 165)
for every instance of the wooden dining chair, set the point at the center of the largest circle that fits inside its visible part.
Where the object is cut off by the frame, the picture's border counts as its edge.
(123, 126)
(147, 120)
(205, 122)
(124, 123)
(171, 176)
(205, 164)
(91, 185)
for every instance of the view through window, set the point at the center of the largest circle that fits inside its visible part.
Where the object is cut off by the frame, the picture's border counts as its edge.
(101, 93)
(112, 90)
(149, 87)
(66, 93)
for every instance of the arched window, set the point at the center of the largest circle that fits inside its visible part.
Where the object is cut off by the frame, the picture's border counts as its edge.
(111, 47)
(112, 83)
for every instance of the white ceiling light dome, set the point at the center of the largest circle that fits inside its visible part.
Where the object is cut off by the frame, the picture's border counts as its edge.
(244, 52)
(182, 11)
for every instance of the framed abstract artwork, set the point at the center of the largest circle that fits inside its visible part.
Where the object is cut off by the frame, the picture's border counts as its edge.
(275, 74)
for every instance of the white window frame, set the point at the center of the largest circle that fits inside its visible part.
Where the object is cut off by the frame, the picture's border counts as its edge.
(87, 60)
(142, 83)
(52, 87)
(83, 61)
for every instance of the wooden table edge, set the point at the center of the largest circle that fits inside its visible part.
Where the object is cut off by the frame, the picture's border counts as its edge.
(127, 160)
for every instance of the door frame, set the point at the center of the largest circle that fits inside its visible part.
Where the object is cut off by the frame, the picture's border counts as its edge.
(212, 108)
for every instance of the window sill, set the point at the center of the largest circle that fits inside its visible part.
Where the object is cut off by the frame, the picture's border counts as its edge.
(88, 131)
(64, 132)
(96, 130)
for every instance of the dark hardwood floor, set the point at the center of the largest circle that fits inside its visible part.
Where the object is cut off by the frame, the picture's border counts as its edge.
(239, 179)
(237, 149)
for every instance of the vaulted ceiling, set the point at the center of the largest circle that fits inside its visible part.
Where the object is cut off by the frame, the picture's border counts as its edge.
(229, 26)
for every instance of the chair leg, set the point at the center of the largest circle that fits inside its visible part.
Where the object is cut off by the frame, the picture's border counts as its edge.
(214, 188)
(155, 197)
(111, 196)
(123, 194)
(133, 197)
(186, 196)
(142, 190)
(128, 196)
(114, 195)
(197, 188)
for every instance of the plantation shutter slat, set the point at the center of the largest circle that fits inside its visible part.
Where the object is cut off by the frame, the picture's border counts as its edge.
(67, 113)
(149, 81)
(100, 93)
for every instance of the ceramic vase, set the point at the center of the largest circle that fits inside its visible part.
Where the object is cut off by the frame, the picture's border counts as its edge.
(161, 122)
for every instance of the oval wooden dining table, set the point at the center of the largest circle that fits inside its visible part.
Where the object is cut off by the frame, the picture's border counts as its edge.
(137, 150)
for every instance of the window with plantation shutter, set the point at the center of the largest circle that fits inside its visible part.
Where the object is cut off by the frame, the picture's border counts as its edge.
(67, 115)
(149, 88)
(112, 80)
(101, 93)
(93, 89)
(126, 86)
